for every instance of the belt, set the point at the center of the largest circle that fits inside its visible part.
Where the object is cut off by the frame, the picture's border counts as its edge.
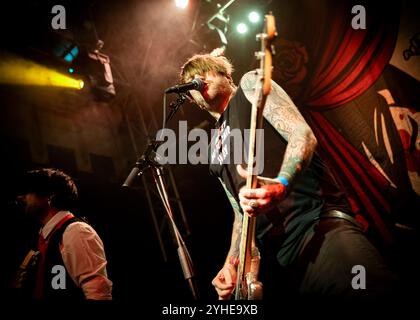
(340, 215)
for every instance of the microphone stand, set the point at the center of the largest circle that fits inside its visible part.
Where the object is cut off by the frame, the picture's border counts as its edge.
(174, 106)
(148, 161)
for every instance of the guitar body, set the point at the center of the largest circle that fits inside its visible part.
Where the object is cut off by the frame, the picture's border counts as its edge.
(251, 288)
(26, 269)
(247, 285)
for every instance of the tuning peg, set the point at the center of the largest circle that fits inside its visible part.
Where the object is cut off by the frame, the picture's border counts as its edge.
(259, 55)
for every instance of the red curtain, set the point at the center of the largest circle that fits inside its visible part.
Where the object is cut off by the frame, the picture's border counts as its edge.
(360, 180)
(351, 60)
(348, 62)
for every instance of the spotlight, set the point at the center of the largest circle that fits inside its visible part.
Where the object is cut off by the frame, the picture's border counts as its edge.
(242, 28)
(18, 71)
(182, 4)
(254, 17)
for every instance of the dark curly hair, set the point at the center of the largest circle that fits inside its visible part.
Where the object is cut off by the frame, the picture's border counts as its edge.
(54, 183)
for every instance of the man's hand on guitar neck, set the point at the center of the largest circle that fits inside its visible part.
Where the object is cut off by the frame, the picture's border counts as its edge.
(263, 198)
(225, 280)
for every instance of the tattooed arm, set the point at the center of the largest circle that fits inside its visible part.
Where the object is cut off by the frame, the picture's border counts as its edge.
(283, 115)
(237, 227)
(224, 282)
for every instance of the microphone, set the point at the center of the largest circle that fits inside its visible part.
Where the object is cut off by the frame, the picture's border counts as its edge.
(196, 84)
(129, 181)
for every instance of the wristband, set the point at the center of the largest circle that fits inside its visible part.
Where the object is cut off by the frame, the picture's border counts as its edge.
(282, 180)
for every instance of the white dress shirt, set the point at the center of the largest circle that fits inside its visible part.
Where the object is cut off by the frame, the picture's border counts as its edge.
(84, 257)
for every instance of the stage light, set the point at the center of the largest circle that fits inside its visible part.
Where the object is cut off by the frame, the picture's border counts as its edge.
(71, 70)
(242, 28)
(18, 71)
(182, 4)
(97, 67)
(68, 54)
(254, 17)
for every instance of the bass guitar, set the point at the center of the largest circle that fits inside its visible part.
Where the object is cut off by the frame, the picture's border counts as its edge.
(247, 285)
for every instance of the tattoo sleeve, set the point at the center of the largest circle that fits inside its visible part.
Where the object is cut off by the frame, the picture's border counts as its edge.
(283, 115)
(237, 226)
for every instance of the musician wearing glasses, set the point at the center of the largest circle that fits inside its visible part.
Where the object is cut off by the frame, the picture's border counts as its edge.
(69, 261)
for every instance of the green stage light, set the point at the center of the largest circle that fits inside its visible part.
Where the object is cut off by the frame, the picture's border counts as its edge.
(254, 17)
(242, 28)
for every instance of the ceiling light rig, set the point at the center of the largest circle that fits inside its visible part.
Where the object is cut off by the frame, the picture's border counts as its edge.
(220, 22)
(182, 4)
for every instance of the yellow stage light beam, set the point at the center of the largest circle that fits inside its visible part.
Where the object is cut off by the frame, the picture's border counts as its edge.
(23, 72)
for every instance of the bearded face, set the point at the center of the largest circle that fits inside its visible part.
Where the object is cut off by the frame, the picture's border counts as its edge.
(216, 92)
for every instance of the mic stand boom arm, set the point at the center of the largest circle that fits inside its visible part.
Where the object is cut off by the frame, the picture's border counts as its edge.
(174, 106)
(146, 161)
(142, 162)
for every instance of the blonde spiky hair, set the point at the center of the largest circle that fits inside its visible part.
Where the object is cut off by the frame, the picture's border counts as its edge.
(203, 63)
